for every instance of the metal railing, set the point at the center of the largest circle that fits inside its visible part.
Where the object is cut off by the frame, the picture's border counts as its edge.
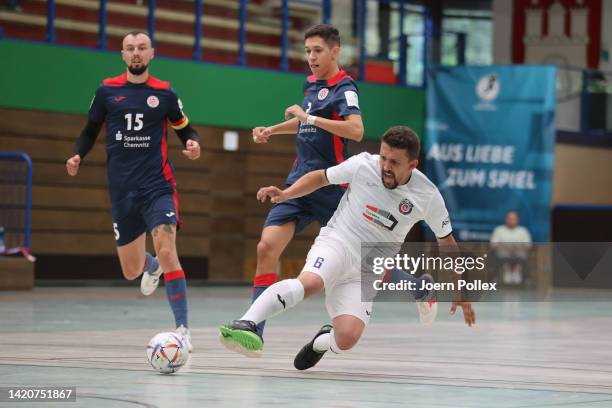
(361, 20)
(198, 32)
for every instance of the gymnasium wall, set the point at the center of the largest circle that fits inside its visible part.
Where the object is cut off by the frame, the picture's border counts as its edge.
(583, 175)
(46, 92)
(63, 79)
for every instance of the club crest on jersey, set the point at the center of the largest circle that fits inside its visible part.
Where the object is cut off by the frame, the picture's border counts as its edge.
(323, 94)
(405, 206)
(152, 101)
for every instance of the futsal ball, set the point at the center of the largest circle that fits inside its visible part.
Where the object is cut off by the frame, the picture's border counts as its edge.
(167, 352)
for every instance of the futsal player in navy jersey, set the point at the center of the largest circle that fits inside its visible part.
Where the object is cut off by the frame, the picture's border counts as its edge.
(137, 108)
(327, 119)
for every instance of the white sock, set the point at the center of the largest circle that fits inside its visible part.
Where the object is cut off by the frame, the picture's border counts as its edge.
(276, 299)
(326, 342)
(332, 344)
(322, 343)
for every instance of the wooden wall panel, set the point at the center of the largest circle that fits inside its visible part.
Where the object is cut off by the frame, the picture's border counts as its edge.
(222, 218)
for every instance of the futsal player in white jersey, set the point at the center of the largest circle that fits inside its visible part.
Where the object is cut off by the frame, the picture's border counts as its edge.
(386, 197)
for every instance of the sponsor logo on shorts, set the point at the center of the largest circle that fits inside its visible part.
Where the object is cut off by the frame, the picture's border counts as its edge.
(280, 299)
(170, 214)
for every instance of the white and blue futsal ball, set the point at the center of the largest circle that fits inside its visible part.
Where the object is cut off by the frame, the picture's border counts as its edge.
(167, 352)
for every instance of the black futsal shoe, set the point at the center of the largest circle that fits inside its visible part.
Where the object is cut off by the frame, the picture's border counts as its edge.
(308, 357)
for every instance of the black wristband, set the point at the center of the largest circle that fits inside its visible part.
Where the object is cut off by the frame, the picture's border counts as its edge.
(187, 133)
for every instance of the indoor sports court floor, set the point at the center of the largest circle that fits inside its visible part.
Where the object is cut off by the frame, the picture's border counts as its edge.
(519, 355)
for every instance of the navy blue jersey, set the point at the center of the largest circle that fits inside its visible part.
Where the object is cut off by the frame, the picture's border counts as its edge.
(137, 117)
(333, 99)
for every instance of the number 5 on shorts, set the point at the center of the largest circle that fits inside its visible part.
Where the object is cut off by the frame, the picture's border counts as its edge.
(318, 262)
(115, 226)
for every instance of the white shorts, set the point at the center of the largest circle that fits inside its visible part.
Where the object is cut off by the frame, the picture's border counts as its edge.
(341, 274)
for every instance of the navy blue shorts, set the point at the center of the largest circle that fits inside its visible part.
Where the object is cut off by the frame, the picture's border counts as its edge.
(317, 206)
(132, 216)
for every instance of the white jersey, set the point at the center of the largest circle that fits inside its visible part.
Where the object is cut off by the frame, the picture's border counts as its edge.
(370, 212)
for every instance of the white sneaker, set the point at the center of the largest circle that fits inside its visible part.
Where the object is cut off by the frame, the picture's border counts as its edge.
(186, 336)
(428, 307)
(150, 281)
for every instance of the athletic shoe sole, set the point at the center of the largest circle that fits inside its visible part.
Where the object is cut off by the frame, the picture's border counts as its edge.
(244, 342)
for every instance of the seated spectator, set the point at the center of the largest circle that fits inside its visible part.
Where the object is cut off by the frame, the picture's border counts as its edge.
(511, 243)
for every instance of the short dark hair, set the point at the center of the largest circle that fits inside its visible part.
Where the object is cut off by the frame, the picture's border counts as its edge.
(402, 137)
(136, 32)
(327, 32)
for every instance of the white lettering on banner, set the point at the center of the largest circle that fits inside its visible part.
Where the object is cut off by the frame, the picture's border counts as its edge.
(520, 180)
(446, 152)
(494, 154)
(513, 179)
(474, 177)
(489, 154)
(466, 178)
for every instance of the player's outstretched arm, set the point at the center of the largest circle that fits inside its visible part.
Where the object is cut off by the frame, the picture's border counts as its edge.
(261, 134)
(305, 185)
(448, 246)
(350, 128)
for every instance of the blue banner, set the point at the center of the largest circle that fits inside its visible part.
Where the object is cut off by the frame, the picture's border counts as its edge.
(490, 145)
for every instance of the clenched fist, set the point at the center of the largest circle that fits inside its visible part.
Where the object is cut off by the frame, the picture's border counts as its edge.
(72, 165)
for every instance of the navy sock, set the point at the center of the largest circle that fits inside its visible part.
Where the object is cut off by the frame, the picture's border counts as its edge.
(151, 263)
(176, 289)
(260, 284)
(397, 275)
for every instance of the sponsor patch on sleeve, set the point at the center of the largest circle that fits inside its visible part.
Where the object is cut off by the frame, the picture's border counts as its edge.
(351, 98)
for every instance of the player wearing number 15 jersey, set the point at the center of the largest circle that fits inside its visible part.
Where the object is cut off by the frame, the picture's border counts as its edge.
(137, 110)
